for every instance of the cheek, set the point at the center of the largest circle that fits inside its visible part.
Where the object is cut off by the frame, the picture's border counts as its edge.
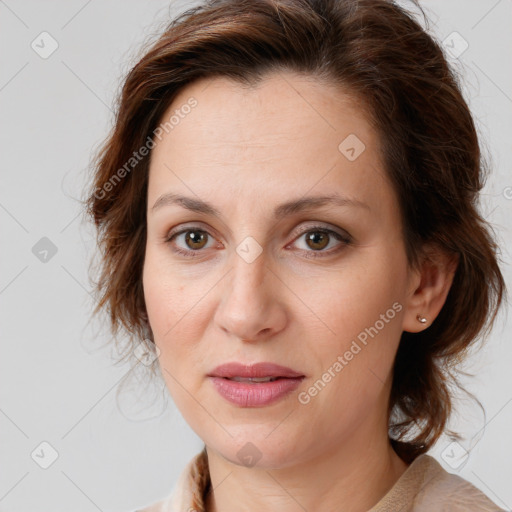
(161, 301)
(161, 295)
(164, 308)
(176, 313)
(362, 309)
(354, 298)
(163, 292)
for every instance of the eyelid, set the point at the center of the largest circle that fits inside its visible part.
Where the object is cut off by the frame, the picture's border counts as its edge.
(345, 240)
(304, 229)
(189, 226)
(326, 227)
(181, 229)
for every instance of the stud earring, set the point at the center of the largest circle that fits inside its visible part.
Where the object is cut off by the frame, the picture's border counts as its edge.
(421, 319)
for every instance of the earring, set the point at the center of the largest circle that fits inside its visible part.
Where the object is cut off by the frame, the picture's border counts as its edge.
(421, 319)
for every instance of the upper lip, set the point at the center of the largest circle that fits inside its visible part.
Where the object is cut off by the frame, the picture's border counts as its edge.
(265, 369)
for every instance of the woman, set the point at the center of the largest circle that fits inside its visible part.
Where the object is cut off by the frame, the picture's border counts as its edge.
(286, 211)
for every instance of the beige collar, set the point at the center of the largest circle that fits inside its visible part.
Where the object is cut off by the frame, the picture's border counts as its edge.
(424, 486)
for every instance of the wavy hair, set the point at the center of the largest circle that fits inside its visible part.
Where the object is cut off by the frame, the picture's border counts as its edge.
(379, 53)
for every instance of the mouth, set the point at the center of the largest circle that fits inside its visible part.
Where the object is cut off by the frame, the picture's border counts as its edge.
(256, 385)
(258, 372)
(253, 379)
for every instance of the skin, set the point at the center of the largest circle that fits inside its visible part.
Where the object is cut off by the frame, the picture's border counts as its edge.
(246, 150)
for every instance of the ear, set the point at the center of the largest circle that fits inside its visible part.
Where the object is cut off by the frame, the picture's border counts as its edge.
(429, 287)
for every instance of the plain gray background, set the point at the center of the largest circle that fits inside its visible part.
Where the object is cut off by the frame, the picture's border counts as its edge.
(58, 385)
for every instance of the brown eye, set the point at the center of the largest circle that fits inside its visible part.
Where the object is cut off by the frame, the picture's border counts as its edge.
(188, 242)
(317, 240)
(195, 239)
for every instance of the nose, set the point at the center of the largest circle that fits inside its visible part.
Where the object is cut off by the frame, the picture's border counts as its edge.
(251, 307)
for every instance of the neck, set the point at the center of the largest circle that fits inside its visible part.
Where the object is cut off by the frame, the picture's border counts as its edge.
(355, 474)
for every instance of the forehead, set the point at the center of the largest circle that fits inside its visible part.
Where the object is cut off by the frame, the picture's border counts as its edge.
(289, 132)
(294, 106)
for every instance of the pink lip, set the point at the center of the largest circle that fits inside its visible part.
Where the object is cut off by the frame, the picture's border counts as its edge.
(254, 370)
(257, 394)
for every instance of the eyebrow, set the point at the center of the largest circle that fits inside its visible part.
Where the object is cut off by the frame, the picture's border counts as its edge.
(283, 210)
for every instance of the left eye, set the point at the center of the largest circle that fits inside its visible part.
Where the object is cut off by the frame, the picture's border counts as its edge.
(316, 240)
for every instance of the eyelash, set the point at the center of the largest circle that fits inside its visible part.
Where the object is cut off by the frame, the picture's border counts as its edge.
(345, 239)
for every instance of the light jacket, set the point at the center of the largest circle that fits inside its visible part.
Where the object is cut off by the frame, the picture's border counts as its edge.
(423, 487)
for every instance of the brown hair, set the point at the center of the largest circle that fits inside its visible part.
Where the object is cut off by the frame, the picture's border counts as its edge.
(430, 150)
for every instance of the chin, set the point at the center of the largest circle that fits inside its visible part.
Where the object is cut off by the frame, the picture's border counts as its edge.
(258, 450)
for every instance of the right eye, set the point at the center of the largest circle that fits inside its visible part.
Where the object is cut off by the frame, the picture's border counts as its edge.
(194, 240)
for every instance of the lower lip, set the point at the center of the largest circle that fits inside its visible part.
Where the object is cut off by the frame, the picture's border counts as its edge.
(258, 394)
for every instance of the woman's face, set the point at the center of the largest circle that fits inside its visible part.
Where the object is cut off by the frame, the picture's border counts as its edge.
(321, 289)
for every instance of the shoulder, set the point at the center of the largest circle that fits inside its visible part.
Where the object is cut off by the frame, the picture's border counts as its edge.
(425, 486)
(449, 492)
(165, 505)
(187, 492)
